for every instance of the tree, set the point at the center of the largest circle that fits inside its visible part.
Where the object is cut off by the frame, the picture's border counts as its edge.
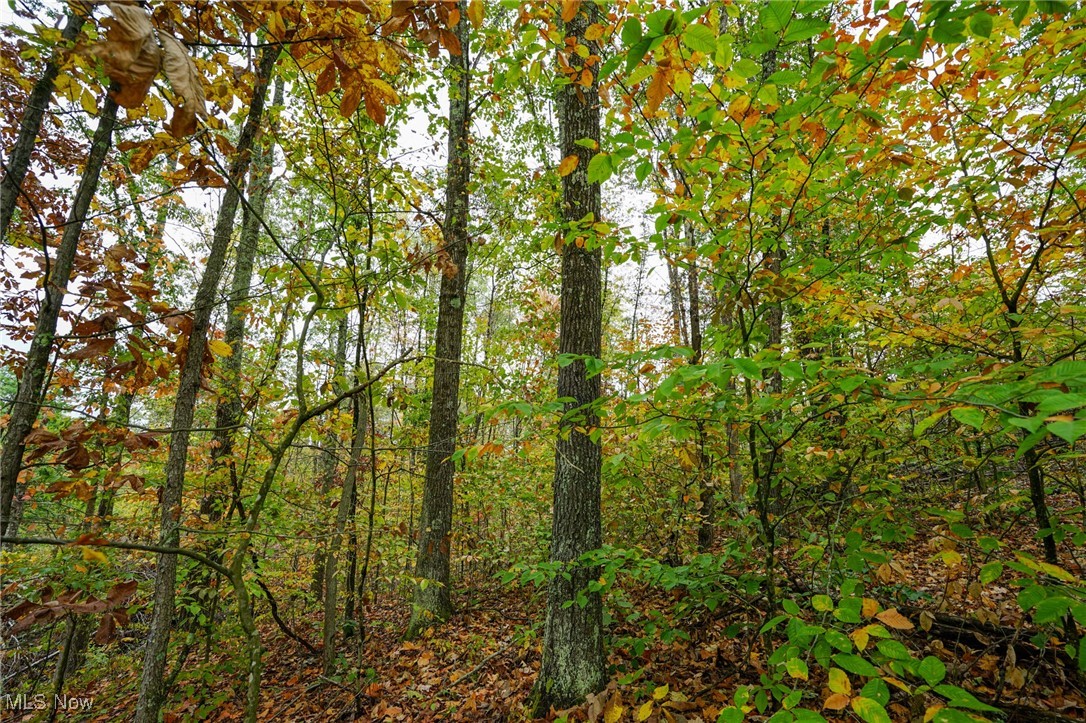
(433, 601)
(573, 657)
(154, 659)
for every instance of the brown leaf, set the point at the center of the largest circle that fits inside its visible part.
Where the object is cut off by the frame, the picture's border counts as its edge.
(837, 701)
(893, 619)
(105, 629)
(95, 347)
(375, 109)
(129, 53)
(327, 79)
(186, 83)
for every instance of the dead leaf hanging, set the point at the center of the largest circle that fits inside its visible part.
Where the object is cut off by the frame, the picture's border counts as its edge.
(130, 53)
(185, 81)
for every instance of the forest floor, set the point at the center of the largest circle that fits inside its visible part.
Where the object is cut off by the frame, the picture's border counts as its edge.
(482, 664)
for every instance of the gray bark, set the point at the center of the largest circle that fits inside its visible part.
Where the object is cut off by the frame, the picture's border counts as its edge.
(573, 658)
(433, 603)
(18, 159)
(154, 659)
(28, 398)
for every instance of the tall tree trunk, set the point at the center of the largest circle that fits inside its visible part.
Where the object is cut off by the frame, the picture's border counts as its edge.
(18, 159)
(432, 600)
(229, 410)
(154, 659)
(328, 455)
(703, 479)
(343, 511)
(29, 396)
(675, 293)
(573, 657)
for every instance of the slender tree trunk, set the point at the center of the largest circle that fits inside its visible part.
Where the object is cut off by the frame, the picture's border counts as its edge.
(18, 159)
(703, 480)
(343, 511)
(573, 658)
(675, 293)
(229, 410)
(432, 599)
(154, 659)
(29, 396)
(328, 455)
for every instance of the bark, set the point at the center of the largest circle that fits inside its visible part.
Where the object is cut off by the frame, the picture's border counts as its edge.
(433, 602)
(328, 455)
(675, 292)
(573, 656)
(230, 408)
(18, 159)
(703, 480)
(154, 660)
(28, 398)
(343, 512)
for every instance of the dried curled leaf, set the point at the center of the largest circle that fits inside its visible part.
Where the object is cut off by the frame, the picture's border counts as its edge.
(130, 53)
(185, 81)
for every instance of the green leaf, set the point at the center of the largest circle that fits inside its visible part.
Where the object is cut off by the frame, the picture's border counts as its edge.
(748, 367)
(631, 32)
(1068, 431)
(637, 52)
(855, 664)
(991, 572)
(870, 711)
(1051, 609)
(600, 168)
(981, 23)
(822, 603)
(796, 668)
(804, 28)
(925, 424)
(747, 68)
(700, 38)
(962, 698)
(970, 416)
(931, 669)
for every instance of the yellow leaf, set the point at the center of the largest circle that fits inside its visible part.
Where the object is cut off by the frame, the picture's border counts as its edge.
(594, 32)
(219, 347)
(870, 607)
(475, 13)
(932, 711)
(839, 683)
(926, 620)
(893, 619)
(860, 637)
(644, 711)
(660, 693)
(86, 99)
(567, 165)
(613, 712)
(92, 555)
(837, 701)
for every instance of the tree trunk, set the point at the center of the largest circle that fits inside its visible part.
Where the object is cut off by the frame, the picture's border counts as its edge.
(28, 398)
(432, 600)
(343, 511)
(328, 455)
(229, 410)
(18, 159)
(154, 658)
(703, 480)
(573, 659)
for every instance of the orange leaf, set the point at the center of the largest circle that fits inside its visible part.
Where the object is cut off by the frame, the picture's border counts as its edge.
(567, 165)
(352, 96)
(893, 619)
(569, 9)
(657, 90)
(837, 701)
(454, 17)
(870, 607)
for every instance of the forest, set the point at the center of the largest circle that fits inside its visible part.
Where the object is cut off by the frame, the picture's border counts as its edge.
(564, 360)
